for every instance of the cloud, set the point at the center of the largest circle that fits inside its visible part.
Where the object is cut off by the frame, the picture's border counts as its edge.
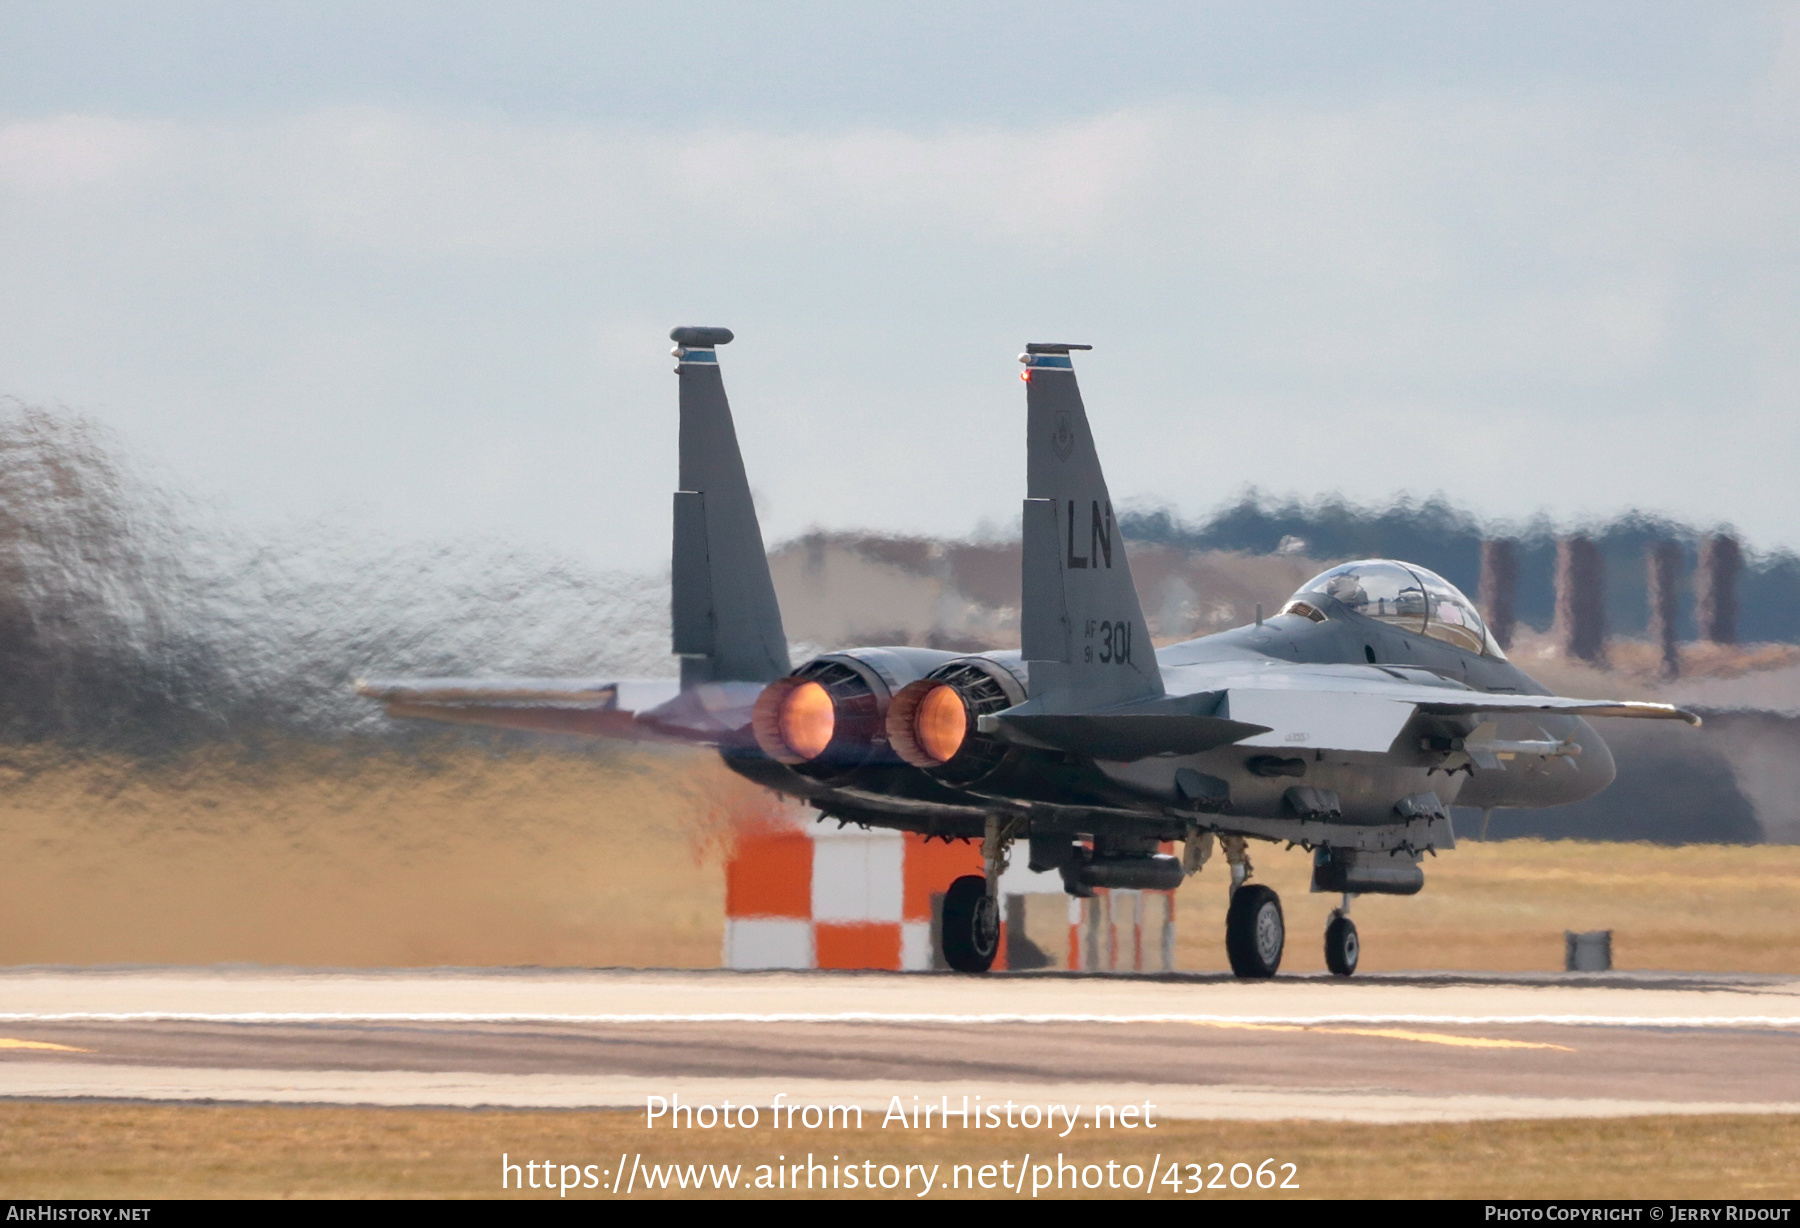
(398, 181)
(418, 304)
(69, 153)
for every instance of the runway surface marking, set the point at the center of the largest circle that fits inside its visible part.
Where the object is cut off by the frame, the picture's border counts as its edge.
(525, 997)
(1271, 1021)
(7, 1042)
(573, 1039)
(1425, 1038)
(51, 1079)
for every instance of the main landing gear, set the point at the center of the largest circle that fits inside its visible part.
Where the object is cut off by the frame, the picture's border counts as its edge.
(1341, 946)
(971, 920)
(971, 925)
(1254, 930)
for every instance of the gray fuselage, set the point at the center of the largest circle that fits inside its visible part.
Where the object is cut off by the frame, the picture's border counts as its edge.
(1140, 798)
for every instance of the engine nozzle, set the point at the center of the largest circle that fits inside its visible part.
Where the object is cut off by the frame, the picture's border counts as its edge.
(931, 723)
(821, 719)
(928, 723)
(794, 720)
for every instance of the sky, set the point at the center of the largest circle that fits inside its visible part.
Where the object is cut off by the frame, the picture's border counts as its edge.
(411, 267)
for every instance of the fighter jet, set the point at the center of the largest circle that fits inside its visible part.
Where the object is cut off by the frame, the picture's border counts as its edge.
(1346, 724)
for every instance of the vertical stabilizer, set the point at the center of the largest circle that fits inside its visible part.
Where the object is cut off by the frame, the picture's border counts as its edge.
(725, 620)
(1084, 636)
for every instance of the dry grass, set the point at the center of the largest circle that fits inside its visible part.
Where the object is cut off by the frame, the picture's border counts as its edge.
(1504, 906)
(561, 859)
(182, 1151)
(316, 859)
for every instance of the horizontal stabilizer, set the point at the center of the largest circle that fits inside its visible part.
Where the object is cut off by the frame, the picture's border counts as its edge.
(607, 694)
(1121, 737)
(581, 722)
(654, 709)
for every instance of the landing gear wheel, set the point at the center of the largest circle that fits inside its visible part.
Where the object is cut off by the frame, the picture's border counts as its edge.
(1254, 931)
(971, 925)
(1341, 946)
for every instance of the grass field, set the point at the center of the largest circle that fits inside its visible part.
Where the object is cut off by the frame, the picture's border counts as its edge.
(323, 859)
(1504, 907)
(320, 859)
(178, 1151)
(316, 858)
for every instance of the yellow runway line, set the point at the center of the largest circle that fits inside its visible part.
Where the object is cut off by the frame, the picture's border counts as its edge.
(1424, 1038)
(6, 1042)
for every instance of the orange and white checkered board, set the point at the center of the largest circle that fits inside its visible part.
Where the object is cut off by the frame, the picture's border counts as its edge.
(824, 897)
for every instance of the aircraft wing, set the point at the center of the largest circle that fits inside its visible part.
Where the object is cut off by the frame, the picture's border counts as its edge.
(1478, 702)
(1398, 684)
(1370, 720)
(653, 709)
(1290, 707)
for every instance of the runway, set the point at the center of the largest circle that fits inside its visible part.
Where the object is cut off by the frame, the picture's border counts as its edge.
(1428, 1047)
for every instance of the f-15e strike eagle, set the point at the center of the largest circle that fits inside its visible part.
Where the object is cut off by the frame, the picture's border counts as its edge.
(1346, 724)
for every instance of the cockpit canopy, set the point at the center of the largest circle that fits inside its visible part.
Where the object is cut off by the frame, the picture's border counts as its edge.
(1405, 596)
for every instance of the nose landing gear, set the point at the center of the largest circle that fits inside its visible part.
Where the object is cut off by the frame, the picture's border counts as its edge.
(1341, 945)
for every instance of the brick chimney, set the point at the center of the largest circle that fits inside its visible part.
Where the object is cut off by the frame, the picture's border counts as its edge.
(1580, 628)
(1499, 585)
(1721, 561)
(1664, 567)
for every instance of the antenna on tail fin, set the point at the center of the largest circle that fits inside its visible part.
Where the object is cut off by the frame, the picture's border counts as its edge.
(725, 619)
(1083, 632)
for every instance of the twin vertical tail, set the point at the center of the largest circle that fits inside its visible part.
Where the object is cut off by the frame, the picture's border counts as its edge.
(1083, 632)
(1084, 636)
(726, 622)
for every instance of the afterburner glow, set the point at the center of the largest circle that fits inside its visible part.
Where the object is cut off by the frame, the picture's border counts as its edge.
(941, 723)
(807, 720)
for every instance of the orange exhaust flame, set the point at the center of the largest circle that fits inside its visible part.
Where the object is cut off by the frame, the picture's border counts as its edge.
(808, 720)
(794, 720)
(941, 723)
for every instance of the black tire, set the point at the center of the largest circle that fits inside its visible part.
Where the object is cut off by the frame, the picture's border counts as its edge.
(1341, 946)
(971, 925)
(1255, 932)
